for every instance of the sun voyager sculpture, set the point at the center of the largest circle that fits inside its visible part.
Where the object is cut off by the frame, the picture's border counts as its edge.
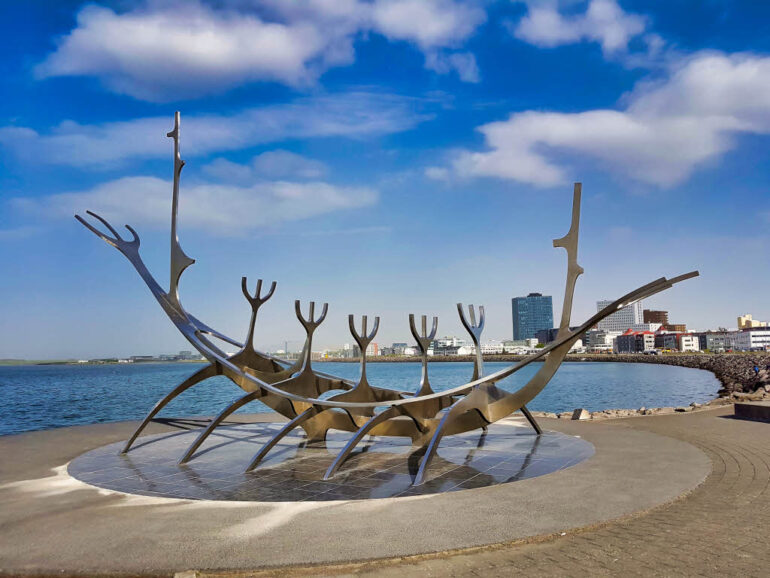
(295, 389)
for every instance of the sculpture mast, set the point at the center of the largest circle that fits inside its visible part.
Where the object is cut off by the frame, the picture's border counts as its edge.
(179, 259)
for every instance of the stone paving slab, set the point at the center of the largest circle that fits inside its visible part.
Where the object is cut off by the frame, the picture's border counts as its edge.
(50, 522)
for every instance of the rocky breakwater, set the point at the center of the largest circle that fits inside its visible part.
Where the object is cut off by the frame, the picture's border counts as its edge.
(735, 371)
(583, 414)
(744, 377)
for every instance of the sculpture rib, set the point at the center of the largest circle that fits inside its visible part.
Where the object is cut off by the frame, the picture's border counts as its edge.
(210, 370)
(286, 429)
(357, 437)
(238, 403)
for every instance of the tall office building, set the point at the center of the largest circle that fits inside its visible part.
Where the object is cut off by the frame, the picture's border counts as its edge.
(531, 314)
(622, 320)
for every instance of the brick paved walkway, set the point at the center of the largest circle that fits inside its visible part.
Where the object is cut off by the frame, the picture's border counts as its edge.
(720, 529)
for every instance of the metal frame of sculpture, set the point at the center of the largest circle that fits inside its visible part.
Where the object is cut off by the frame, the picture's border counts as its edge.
(294, 389)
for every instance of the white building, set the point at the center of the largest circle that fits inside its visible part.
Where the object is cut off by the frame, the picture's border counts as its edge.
(577, 347)
(677, 341)
(622, 320)
(520, 344)
(491, 347)
(598, 341)
(450, 342)
(689, 342)
(754, 339)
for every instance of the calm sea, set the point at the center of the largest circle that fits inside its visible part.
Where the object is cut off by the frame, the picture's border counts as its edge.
(43, 397)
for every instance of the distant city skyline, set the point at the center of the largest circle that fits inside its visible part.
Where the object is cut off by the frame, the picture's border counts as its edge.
(386, 158)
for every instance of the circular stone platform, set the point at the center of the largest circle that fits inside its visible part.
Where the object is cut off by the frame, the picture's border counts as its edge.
(293, 471)
(52, 523)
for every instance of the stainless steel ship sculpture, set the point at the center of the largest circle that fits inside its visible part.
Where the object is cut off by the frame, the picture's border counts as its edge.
(294, 389)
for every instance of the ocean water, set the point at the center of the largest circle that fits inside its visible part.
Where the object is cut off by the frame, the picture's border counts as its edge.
(49, 396)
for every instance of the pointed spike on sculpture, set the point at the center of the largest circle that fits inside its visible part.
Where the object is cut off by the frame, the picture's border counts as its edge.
(475, 329)
(434, 328)
(124, 246)
(375, 328)
(324, 311)
(273, 285)
(257, 299)
(363, 338)
(105, 223)
(310, 323)
(134, 234)
(352, 325)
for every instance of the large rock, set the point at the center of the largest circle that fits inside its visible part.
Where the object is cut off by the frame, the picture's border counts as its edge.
(580, 413)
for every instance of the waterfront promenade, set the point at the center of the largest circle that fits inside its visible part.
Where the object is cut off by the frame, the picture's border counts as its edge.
(681, 494)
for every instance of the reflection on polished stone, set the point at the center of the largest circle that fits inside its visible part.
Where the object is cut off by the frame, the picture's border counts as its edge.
(293, 471)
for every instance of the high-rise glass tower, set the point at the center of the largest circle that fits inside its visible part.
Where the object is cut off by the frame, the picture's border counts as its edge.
(622, 319)
(531, 314)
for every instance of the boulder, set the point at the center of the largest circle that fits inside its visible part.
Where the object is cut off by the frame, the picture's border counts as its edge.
(580, 413)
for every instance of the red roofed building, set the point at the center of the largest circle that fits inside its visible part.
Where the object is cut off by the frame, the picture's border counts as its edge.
(677, 341)
(635, 341)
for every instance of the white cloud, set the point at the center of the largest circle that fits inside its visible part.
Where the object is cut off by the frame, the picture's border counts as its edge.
(438, 173)
(428, 23)
(218, 209)
(277, 164)
(350, 115)
(282, 164)
(603, 21)
(665, 132)
(464, 63)
(164, 50)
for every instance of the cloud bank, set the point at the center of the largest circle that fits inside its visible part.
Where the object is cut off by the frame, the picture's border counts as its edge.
(547, 24)
(665, 130)
(277, 164)
(170, 50)
(349, 115)
(224, 210)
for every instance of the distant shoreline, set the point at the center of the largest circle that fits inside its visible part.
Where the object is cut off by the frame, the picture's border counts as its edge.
(36, 362)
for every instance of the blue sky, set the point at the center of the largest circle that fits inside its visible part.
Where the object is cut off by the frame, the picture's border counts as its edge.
(388, 157)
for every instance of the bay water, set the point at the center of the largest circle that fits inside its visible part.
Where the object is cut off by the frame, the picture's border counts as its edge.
(36, 397)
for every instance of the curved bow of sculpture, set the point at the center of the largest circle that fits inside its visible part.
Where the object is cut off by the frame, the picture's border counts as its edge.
(295, 390)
